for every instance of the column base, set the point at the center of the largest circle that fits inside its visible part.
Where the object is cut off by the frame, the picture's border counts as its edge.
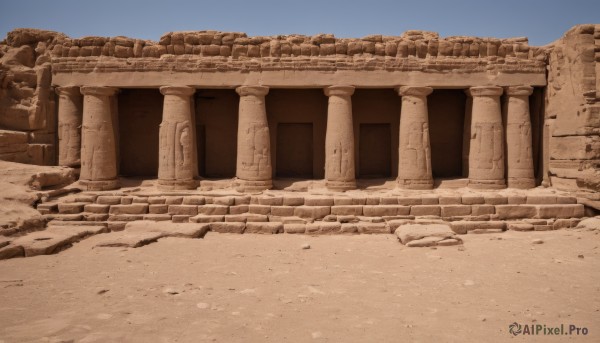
(100, 185)
(487, 184)
(415, 184)
(177, 184)
(521, 183)
(340, 186)
(249, 186)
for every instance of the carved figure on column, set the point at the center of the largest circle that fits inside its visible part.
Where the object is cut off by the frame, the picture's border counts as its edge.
(254, 170)
(519, 156)
(486, 154)
(339, 139)
(414, 169)
(177, 155)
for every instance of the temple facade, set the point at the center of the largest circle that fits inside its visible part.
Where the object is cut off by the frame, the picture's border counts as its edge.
(474, 131)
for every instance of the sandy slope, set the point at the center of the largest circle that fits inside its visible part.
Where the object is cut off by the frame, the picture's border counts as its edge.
(255, 288)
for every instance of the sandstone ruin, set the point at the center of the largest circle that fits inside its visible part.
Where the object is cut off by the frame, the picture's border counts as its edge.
(306, 134)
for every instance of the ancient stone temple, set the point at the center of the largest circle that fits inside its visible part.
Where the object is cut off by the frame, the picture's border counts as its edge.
(319, 133)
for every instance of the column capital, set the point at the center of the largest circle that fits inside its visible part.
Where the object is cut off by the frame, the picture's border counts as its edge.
(339, 90)
(252, 90)
(98, 90)
(519, 90)
(412, 90)
(485, 91)
(68, 91)
(177, 90)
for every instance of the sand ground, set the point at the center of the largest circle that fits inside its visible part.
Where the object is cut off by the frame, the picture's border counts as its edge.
(258, 288)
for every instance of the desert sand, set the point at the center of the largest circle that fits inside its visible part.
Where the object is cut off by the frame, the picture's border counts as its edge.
(267, 288)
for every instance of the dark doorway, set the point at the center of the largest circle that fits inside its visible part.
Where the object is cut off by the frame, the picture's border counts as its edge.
(446, 127)
(375, 151)
(216, 131)
(140, 114)
(295, 150)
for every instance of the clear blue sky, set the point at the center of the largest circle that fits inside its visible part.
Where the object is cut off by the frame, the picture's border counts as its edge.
(542, 21)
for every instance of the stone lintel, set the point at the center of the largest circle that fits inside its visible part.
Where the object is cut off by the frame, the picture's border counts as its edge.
(98, 90)
(68, 91)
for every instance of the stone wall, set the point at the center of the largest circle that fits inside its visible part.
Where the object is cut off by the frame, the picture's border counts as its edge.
(573, 111)
(27, 101)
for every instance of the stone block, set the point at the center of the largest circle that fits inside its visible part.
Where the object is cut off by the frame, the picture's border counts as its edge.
(116, 225)
(129, 209)
(284, 211)
(156, 200)
(545, 227)
(289, 200)
(561, 211)
(425, 210)
(495, 200)
(194, 200)
(373, 228)
(212, 210)
(516, 199)
(95, 217)
(270, 201)
(294, 228)
(409, 201)
(242, 200)
(238, 209)
(88, 198)
(385, 210)
(158, 209)
(430, 200)
(229, 227)
(463, 226)
(565, 223)
(455, 210)
(323, 228)
(125, 217)
(566, 200)
(479, 210)
(180, 218)
(173, 200)
(388, 200)
(246, 217)
(313, 212)
(541, 199)
(202, 218)
(264, 228)
(450, 200)
(372, 200)
(140, 200)
(225, 200)
(70, 208)
(355, 210)
(188, 210)
(342, 201)
(520, 226)
(96, 208)
(472, 199)
(318, 201)
(259, 209)
(126, 200)
(515, 211)
(47, 208)
(157, 217)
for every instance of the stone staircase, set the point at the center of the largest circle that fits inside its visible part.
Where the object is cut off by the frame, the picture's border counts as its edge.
(320, 214)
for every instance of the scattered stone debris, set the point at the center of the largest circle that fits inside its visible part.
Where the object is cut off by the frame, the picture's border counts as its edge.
(537, 241)
(305, 246)
(425, 235)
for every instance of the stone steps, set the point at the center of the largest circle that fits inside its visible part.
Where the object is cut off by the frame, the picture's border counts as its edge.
(263, 208)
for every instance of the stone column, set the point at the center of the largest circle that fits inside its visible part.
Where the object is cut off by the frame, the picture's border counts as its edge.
(339, 139)
(253, 169)
(98, 152)
(486, 154)
(70, 111)
(177, 159)
(414, 151)
(519, 156)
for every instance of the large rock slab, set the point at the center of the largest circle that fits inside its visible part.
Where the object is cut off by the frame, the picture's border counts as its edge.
(589, 224)
(169, 229)
(54, 239)
(423, 235)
